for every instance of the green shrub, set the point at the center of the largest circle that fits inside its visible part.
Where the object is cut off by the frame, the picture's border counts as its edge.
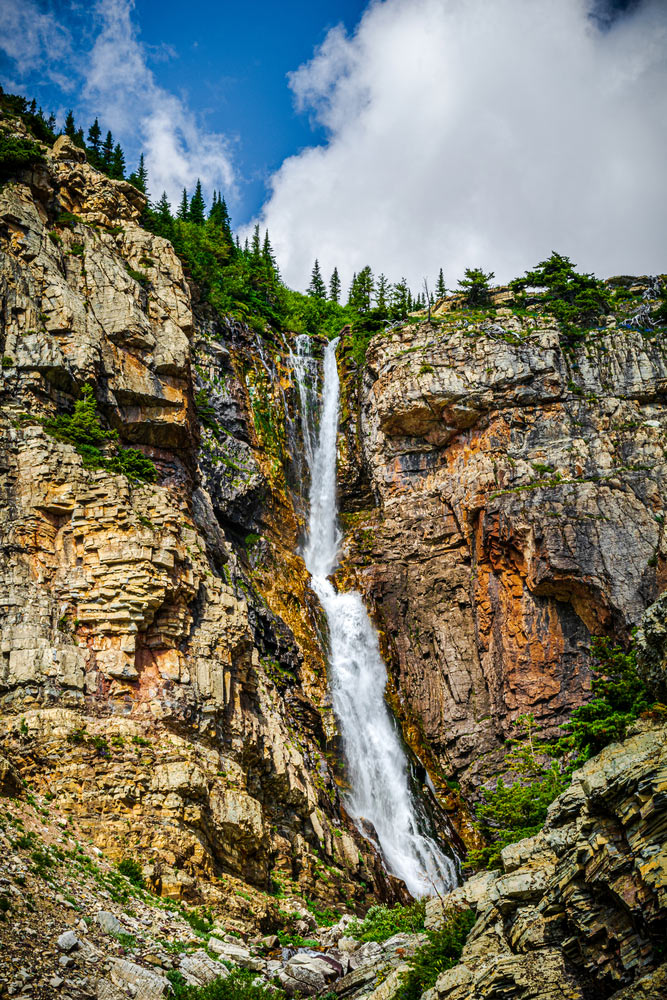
(619, 698)
(82, 429)
(382, 922)
(134, 465)
(17, 153)
(132, 870)
(441, 953)
(513, 811)
(289, 940)
(238, 985)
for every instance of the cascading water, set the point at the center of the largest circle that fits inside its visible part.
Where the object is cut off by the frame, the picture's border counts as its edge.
(380, 800)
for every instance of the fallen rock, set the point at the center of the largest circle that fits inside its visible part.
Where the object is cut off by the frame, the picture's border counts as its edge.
(68, 941)
(109, 923)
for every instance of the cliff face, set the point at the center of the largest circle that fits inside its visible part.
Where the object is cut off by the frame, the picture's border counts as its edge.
(520, 493)
(147, 684)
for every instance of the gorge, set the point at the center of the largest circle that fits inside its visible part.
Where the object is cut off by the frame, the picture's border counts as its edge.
(184, 779)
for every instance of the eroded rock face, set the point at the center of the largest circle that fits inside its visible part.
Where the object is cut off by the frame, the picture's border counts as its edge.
(145, 682)
(580, 909)
(521, 496)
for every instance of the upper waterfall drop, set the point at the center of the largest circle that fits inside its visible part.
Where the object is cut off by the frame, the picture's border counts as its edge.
(380, 800)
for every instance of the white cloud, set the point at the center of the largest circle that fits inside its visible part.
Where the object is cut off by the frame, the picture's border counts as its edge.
(116, 84)
(33, 39)
(479, 132)
(121, 88)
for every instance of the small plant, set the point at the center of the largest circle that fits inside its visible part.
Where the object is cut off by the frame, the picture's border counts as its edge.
(382, 922)
(141, 279)
(8, 362)
(240, 984)
(76, 249)
(131, 869)
(441, 953)
(77, 736)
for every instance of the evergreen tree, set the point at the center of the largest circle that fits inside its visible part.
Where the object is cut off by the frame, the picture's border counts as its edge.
(139, 177)
(163, 210)
(94, 142)
(352, 292)
(117, 170)
(268, 255)
(106, 154)
(440, 290)
(475, 286)
(183, 211)
(317, 289)
(382, 293)
(334, 286)
(197, 206)
(399, 299)
(70, 128)
(256, 246)
(361, 290)
(79, 140)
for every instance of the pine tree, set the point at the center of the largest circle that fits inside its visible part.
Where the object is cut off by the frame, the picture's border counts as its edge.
(352, 291)
(382, 293)
(79, 139)
(117, 170)
(400, 295)
(268, 255)
(475, 286)
(256, 246)
(70, 127)
(361, 290)
(94, 142)
(163, 210)
(139, 177)
(106, 155)
(440, 289)
(183, 210)
(197, 206)
(317, 289)
(334, 286)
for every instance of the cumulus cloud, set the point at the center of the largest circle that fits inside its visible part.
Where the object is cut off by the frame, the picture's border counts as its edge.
(120, 83)
(476, 133)
(110, 68)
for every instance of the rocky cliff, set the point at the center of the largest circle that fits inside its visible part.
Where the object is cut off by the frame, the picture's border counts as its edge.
(163, 684)
(147, 683)
(518, 501)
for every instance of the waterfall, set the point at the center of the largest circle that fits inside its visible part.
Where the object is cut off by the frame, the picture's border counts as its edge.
(380, 799)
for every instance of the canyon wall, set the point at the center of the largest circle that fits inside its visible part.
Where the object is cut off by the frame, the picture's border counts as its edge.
(515, 508)
(150, 680)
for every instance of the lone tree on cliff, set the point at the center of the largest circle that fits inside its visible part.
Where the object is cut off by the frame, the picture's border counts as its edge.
(475, 286)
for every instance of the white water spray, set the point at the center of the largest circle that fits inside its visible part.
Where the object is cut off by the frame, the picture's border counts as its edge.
(380, 800)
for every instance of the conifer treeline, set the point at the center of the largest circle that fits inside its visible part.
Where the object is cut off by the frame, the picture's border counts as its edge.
(368, 292)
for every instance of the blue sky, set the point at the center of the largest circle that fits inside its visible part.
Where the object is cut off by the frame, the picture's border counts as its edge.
(405, 134)
(228, 61)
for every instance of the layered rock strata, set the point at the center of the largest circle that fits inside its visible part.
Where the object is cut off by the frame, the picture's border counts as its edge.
(579, 910)
(519, 509)
(146, 681)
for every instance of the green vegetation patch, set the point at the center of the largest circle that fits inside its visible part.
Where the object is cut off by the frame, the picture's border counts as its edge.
(17, 153)
(82, 429)
(382, 922)
(442, 952)
(238, 985)
(542, 770)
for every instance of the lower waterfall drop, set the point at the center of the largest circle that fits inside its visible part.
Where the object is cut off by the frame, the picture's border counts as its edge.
(380, 800)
